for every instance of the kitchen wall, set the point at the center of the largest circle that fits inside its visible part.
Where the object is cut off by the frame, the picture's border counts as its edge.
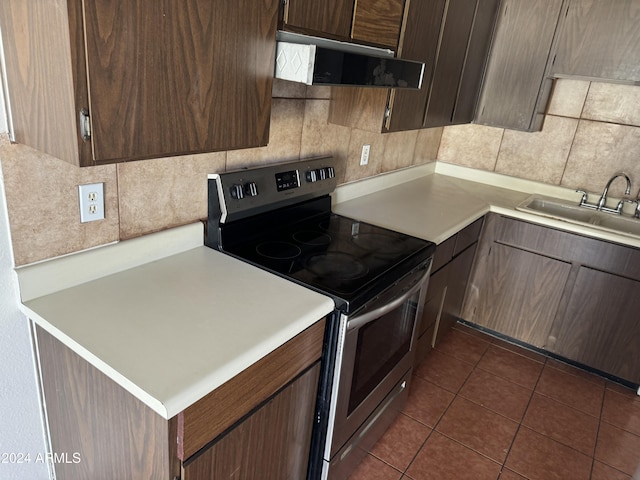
(592, 131)
(151, 195)
(21, 425)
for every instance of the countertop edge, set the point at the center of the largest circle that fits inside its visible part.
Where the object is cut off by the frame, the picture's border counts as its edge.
(180, 402)
(103, 367)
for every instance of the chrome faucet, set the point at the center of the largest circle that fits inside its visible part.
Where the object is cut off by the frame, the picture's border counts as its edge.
(603, 198)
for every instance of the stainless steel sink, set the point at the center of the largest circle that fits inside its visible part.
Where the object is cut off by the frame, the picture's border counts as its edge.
(570, 212)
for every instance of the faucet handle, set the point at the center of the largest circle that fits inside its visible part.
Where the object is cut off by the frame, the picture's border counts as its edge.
(583, 200)
(628, 200)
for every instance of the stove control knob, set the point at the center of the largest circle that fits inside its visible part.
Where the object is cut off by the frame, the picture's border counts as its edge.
(237, 191)
(311, 176)
(251, 189)
(322, 173)
(330, 172)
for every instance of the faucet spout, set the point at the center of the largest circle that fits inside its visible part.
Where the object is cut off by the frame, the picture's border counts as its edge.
(603, 198)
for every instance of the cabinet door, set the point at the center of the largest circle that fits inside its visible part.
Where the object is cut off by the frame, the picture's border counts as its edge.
(600, 327)
(600, 40)
(475, 61)
(434, 299)
(517, 293)
(513, 94)
(273, 443)
(420, 43)
(378, 22)
(328, 17)
(178, 76)
(459, 270)
(450, 62)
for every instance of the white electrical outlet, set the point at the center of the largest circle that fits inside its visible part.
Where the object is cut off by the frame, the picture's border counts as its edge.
(364, 157)
(91, 202)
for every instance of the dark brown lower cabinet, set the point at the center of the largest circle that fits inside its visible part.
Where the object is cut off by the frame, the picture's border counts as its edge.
(273, 443)
(571, 295)
(255, 426)
(457, 280)
(520, 293)
(601, 325)
(445, 293)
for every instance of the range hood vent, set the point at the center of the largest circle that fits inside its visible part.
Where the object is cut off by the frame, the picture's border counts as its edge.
(319, 61)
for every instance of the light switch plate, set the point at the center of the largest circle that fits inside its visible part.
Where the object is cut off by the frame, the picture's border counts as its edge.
(91, 202)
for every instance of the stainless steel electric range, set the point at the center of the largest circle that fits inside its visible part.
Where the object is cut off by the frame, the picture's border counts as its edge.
(279, 218)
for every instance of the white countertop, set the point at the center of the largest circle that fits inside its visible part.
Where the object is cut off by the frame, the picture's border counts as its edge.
(437, 200)
(173, 329)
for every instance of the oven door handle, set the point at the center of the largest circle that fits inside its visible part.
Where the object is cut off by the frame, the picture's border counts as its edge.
(361, 320)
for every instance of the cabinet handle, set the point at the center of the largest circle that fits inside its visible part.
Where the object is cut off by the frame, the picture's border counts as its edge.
(85, 125)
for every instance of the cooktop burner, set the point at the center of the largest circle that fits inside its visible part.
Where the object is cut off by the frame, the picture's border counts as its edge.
(381, 244)
(336, 266)
(309, 237)
(276, 250)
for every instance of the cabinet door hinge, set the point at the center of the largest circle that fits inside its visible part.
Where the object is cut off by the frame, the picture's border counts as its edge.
(85, 125)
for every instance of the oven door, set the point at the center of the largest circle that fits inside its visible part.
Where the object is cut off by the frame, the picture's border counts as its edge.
(377, 353)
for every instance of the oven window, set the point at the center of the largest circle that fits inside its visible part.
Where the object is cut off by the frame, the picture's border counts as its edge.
(381, 345)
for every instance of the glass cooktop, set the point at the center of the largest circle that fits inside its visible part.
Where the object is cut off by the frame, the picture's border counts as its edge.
(335, 255)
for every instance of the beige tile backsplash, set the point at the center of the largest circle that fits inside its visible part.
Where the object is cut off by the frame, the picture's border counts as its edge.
(151, 195)
(42, 202)
(608, 102)
(165, 192)
(539, 156)
(593, 132)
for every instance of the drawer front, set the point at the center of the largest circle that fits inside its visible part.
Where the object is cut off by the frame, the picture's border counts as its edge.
(444, 253)
(213, 414)
(468, 236)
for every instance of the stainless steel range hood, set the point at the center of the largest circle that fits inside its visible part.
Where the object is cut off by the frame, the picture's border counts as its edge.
(319, 61)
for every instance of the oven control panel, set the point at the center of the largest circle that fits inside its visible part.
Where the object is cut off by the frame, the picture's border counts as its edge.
(287, 180)
(242, 193)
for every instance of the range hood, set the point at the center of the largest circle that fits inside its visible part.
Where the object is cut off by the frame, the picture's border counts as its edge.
(319, 61)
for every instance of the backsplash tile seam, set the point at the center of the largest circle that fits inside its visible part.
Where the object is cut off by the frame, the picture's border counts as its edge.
(573, 139)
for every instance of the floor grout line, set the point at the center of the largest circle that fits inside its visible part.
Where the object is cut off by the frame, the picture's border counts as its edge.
(521, 426)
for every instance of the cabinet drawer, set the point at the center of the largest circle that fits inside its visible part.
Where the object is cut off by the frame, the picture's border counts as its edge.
(467, 236)
(570, 247)
(213, 414)
(444, 253)
(271, 443)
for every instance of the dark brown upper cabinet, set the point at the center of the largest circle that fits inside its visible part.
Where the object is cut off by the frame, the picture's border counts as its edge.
(451, 37)
(537, 41)
(330, 18)
(377, 22)
(139, 79)
(516, 85)
(371, 22)
(600, 40)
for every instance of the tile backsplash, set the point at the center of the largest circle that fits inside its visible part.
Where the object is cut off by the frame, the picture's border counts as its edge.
(152, 195)
(590, 132)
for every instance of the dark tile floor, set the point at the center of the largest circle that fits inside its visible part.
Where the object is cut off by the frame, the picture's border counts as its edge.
(480, 408)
